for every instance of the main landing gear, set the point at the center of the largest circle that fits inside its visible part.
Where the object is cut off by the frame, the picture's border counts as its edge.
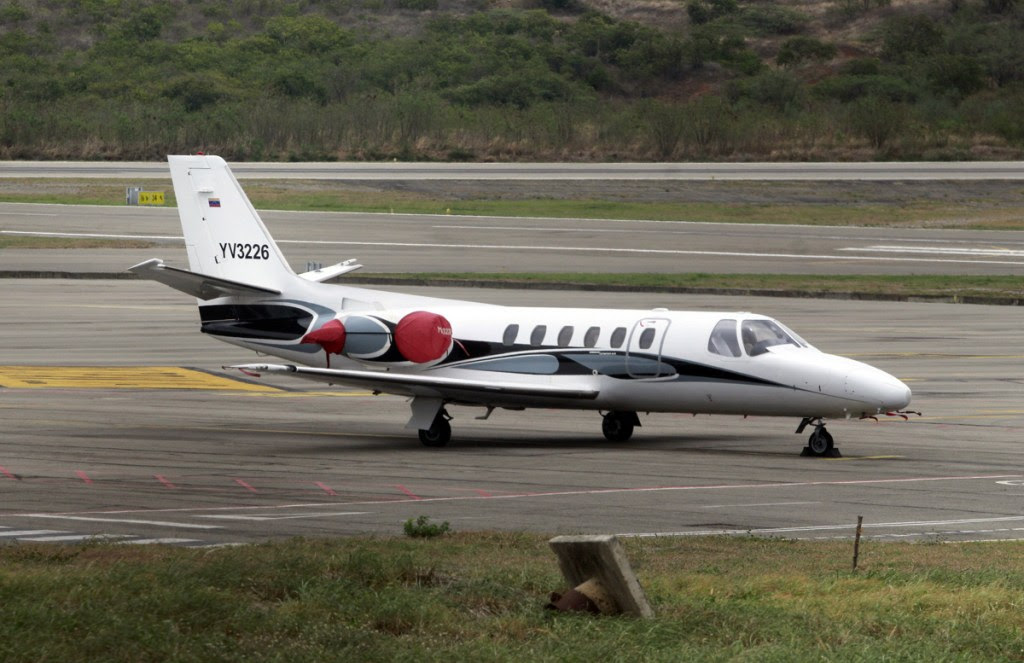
(440, 431)
(618, 426)
(820, 443)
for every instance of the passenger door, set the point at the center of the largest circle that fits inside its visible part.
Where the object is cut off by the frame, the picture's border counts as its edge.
(643, 349)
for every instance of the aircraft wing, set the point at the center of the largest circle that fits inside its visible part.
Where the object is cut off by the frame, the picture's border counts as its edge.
(406, 384)
(198, 285)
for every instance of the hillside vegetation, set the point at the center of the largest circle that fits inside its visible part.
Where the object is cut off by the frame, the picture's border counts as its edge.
(519, 79)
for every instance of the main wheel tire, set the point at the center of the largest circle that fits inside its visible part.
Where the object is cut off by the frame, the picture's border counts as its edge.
(617, 427)
(820, 442)
(438, 435)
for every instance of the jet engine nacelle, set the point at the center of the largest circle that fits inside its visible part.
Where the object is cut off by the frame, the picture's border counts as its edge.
(420, 338)
(423, 337)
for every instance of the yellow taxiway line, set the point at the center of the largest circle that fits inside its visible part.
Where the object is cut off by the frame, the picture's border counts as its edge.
(121, 377)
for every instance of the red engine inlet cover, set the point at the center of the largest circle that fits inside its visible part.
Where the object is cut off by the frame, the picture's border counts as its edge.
(422, 336)
(330, 337)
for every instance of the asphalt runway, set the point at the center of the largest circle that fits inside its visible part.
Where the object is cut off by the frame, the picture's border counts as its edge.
(422, 243)
(362, 170)
(116, 421)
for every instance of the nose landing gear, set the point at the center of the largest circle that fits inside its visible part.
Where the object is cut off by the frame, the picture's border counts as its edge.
(820, 443)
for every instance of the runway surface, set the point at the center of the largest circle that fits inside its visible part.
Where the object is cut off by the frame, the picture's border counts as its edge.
(874, 171)
(117, 422)
(422, 243)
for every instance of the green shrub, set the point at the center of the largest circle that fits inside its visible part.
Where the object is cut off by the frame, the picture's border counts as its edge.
(797, 50)
(849, 87)
(876, 118)
(705, 11)
(423, 528)
(13, 12)
(911, 35)
(862, 67)
(778, 90)
(417, 5)
(773, 20)
(960, 75)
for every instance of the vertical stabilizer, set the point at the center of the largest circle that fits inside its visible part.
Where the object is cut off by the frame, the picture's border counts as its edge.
(224, 235)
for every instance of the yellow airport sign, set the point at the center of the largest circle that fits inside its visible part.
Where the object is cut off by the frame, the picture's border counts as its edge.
(151, 197)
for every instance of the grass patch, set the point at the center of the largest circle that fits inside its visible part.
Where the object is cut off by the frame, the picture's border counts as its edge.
(932, 215)
(67, 191)
(914, 285)
(27, 242)
(328, 196)
(479, 597)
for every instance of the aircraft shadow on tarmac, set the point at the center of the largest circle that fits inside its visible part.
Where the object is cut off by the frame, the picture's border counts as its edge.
(740, 444)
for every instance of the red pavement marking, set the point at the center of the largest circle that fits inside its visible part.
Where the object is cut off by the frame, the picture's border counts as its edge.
(83, 476)
(7, 474)
(245, 485)
(164, 481)
(483, 493)
(327, 489)
(408, 492)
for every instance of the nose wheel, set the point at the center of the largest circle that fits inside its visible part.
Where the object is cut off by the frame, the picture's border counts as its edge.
(820, 443)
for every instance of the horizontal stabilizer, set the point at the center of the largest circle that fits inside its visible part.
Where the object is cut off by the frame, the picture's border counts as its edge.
(418, 384)
(198, 285)
(334, 271)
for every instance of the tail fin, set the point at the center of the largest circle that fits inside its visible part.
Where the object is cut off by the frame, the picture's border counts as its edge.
(224, 235)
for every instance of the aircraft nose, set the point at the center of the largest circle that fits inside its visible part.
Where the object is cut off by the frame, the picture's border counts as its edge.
(879, 389)
(896, 395)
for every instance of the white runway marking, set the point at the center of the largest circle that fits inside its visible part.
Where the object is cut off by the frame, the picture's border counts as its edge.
(29, 532)
(291, 517)
(938, 250)
(595, 249)
(126, 521)
(146, 542)
(36, 233)
(730, 506)
(530, 495)
(68, 538)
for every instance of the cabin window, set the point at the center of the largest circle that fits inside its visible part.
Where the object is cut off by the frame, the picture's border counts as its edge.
(647, 338)
(590, 338)
(510, 335)
(565, 336)
(618, 337)
(723, 339)
(759, 335)
(537, 336)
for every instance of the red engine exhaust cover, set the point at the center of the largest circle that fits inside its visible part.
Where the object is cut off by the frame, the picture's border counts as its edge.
(421, 336)
(330, 337)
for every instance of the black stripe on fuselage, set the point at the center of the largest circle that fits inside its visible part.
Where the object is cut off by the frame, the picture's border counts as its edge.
(615, 364)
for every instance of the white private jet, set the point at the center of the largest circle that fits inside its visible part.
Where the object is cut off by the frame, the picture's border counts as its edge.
(441, 351)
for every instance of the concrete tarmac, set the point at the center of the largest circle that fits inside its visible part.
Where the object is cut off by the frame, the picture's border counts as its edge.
(162, 454)
(420, 243)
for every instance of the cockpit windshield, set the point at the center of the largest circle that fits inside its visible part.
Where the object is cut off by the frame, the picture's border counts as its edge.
(759, 335)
